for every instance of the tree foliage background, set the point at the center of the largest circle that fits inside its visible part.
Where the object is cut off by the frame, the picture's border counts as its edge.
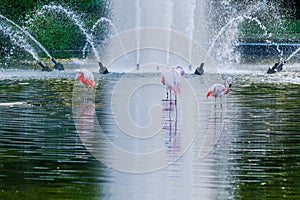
(54, 30)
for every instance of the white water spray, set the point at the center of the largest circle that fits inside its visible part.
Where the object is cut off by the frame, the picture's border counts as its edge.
(138, 26)
(97, 23)
(75, 18)
(17, 39)
(293, 54)
(191, 24)
(29, 35)
(168, 24)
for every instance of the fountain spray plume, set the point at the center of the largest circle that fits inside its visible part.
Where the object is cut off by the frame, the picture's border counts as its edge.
(18, 39)
(44, 68)
(27, 34)
(138, 27)
(102, 69)
(75, 18)
(232, 25)
(168, 24)
(231, 15)
(99, 21)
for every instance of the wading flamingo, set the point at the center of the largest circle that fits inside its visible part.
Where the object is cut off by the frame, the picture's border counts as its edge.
(218, 90)
(172, 79)
(85, 78)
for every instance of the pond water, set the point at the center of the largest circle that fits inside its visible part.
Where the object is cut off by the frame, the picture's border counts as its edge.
(126, 140)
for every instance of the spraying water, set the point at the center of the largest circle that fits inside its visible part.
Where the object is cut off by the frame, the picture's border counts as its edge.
(27, 34)
(18, 39)
(168, 24)
(293, 54)
(215, 25)
(75, 18)
(191, 24)
(95, 25)
(138, 26)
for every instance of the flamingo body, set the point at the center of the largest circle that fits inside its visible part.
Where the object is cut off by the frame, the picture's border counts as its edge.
(172, 79)
(85, 78)
(219, 90)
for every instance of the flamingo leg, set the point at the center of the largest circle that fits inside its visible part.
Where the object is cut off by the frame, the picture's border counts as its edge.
(85, 94)
(176, 114)
(221, 102)
(167, 93)
(170, 98)
(215, 102)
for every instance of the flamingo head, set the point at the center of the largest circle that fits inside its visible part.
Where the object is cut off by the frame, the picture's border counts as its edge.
(208, 94)
(79, 75)
(180, 70)
(163, 80)
(229, 81)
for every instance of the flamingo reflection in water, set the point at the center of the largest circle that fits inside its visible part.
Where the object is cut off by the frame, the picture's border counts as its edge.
(215, 128)
(171, 126)
(85, 124)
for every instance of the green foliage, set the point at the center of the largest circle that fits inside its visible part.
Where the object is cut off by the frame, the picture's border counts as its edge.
(289, 29)
(54, 30)
(57, 33)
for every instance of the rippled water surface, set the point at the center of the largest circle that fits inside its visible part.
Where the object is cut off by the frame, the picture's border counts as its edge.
(127, 141)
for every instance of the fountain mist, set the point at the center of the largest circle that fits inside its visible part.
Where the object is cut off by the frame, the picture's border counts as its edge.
(18, 39)
(75, 18)
(95, 25)
(28, 35)
(214, 25)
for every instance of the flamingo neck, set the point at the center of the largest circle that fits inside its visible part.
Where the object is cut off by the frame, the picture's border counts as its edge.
(81, 78)
(226, 89)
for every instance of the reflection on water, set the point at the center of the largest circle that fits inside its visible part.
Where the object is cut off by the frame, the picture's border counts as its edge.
(51, 147)
(170, 119)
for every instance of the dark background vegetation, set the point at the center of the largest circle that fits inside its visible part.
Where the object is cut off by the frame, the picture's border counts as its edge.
(57, 33)
(54, 30)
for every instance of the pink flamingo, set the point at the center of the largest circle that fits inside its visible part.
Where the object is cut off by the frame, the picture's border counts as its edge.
(218, 90)
(172, 79)
(85, 78)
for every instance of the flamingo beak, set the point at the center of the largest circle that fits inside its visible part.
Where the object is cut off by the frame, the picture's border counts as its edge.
(163, 80)
(230, 85)
(208, 94)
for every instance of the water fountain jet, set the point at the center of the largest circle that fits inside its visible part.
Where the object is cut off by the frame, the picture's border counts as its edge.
(76, 19)
(44, 67)
(102, 19)
(102, 70)
(58, 66)
(277, 67)
(199, 70)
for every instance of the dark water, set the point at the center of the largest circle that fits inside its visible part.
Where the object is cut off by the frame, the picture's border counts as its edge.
(50, 148)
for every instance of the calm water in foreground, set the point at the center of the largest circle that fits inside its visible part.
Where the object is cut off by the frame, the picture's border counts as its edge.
(127, 141)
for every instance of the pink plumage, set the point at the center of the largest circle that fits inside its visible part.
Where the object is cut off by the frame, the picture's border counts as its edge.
(172, 79)
(218, 90)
